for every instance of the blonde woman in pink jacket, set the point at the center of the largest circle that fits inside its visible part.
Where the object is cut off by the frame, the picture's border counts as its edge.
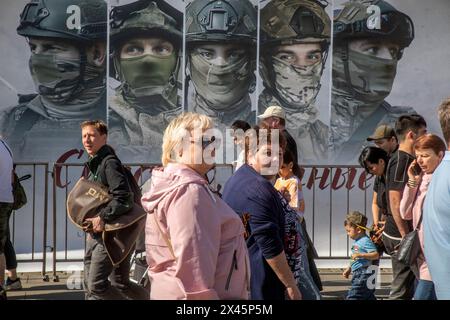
(194, 241)
(429, 151)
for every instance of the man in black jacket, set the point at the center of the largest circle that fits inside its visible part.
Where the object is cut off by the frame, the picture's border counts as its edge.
(109, 172)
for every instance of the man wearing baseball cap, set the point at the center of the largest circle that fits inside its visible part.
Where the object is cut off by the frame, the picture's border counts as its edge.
(274, 117)
(385, 138)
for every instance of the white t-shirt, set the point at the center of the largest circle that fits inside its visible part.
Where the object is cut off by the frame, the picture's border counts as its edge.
(6, 167)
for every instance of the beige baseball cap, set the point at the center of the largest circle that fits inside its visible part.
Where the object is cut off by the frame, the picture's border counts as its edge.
(382, 132)
(273, 111)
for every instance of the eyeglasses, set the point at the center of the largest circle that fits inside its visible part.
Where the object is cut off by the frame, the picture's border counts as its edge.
(207, 141)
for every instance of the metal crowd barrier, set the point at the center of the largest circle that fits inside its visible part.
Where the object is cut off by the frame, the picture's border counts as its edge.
(37, 203)
(330, 192)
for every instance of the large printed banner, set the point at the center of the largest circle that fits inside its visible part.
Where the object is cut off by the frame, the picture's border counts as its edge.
(338, 69)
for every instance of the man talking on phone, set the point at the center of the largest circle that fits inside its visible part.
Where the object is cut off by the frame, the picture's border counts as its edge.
(408, 129)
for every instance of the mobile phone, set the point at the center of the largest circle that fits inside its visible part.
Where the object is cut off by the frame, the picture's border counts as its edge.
(417, 169)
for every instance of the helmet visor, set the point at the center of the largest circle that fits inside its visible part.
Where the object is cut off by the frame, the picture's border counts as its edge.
(395, 25)
(33, 14)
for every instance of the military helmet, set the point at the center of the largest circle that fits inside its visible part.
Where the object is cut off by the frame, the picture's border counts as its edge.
(221, 20)
(146, 17)
(358, 20)
(51, 18)
(294, 21)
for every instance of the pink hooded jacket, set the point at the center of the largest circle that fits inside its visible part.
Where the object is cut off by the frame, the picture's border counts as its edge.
(195, 247)
(411, 209)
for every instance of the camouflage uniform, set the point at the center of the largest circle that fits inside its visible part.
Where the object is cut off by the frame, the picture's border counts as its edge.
(139, 116)
(295, 88)
(358, 104)
(218, 22)
(36, 136)
(43, 126)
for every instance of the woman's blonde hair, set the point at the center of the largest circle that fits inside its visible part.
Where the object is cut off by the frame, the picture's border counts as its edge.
(176, 132)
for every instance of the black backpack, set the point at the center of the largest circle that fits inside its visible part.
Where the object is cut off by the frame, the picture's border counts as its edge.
(132, 183)
(134, 187)
(20, 197)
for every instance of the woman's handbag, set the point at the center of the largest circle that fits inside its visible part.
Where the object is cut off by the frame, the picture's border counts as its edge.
(86, 200)
(409, 248)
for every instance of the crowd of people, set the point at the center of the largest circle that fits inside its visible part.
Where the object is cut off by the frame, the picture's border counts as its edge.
(275, 264)
(404, 162)
(251, 241)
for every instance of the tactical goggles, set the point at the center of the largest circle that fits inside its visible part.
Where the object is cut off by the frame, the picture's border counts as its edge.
(392, 24)
(33, 14)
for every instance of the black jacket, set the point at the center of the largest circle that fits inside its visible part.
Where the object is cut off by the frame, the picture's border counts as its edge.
(113, 177)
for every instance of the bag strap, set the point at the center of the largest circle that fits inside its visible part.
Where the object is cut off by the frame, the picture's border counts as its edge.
(166, 239)
(421, 213)
(102, 165)
(421, 206)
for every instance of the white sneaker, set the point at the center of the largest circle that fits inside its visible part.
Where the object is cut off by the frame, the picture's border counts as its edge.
(13, 284)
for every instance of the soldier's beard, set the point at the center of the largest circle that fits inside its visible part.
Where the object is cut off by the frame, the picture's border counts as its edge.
(59, 81)
(371, 77)
(297, 86)
(220, 86)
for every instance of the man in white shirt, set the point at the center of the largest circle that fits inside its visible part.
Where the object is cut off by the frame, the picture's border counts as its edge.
(6, 204)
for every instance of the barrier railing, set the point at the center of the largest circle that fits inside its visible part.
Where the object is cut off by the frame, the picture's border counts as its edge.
(65, 175)
(38, 205)
(329, 191)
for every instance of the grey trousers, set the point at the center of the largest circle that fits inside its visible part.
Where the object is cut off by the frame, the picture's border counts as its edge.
(102, 281)
(402, 287)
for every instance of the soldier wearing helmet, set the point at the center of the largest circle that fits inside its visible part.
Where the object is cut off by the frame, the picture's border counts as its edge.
(295, 36)
(146, 43)
(67, 40)
(369, 40)
(221, 45)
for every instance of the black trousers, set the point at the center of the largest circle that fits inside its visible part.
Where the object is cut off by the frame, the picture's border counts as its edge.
(404, 277)
(5, 213)
(10, 253)
(312, 254)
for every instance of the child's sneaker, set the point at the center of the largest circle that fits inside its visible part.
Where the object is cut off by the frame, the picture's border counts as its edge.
(13, 284)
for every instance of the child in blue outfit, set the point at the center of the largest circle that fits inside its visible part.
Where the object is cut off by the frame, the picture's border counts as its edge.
(363, 253)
